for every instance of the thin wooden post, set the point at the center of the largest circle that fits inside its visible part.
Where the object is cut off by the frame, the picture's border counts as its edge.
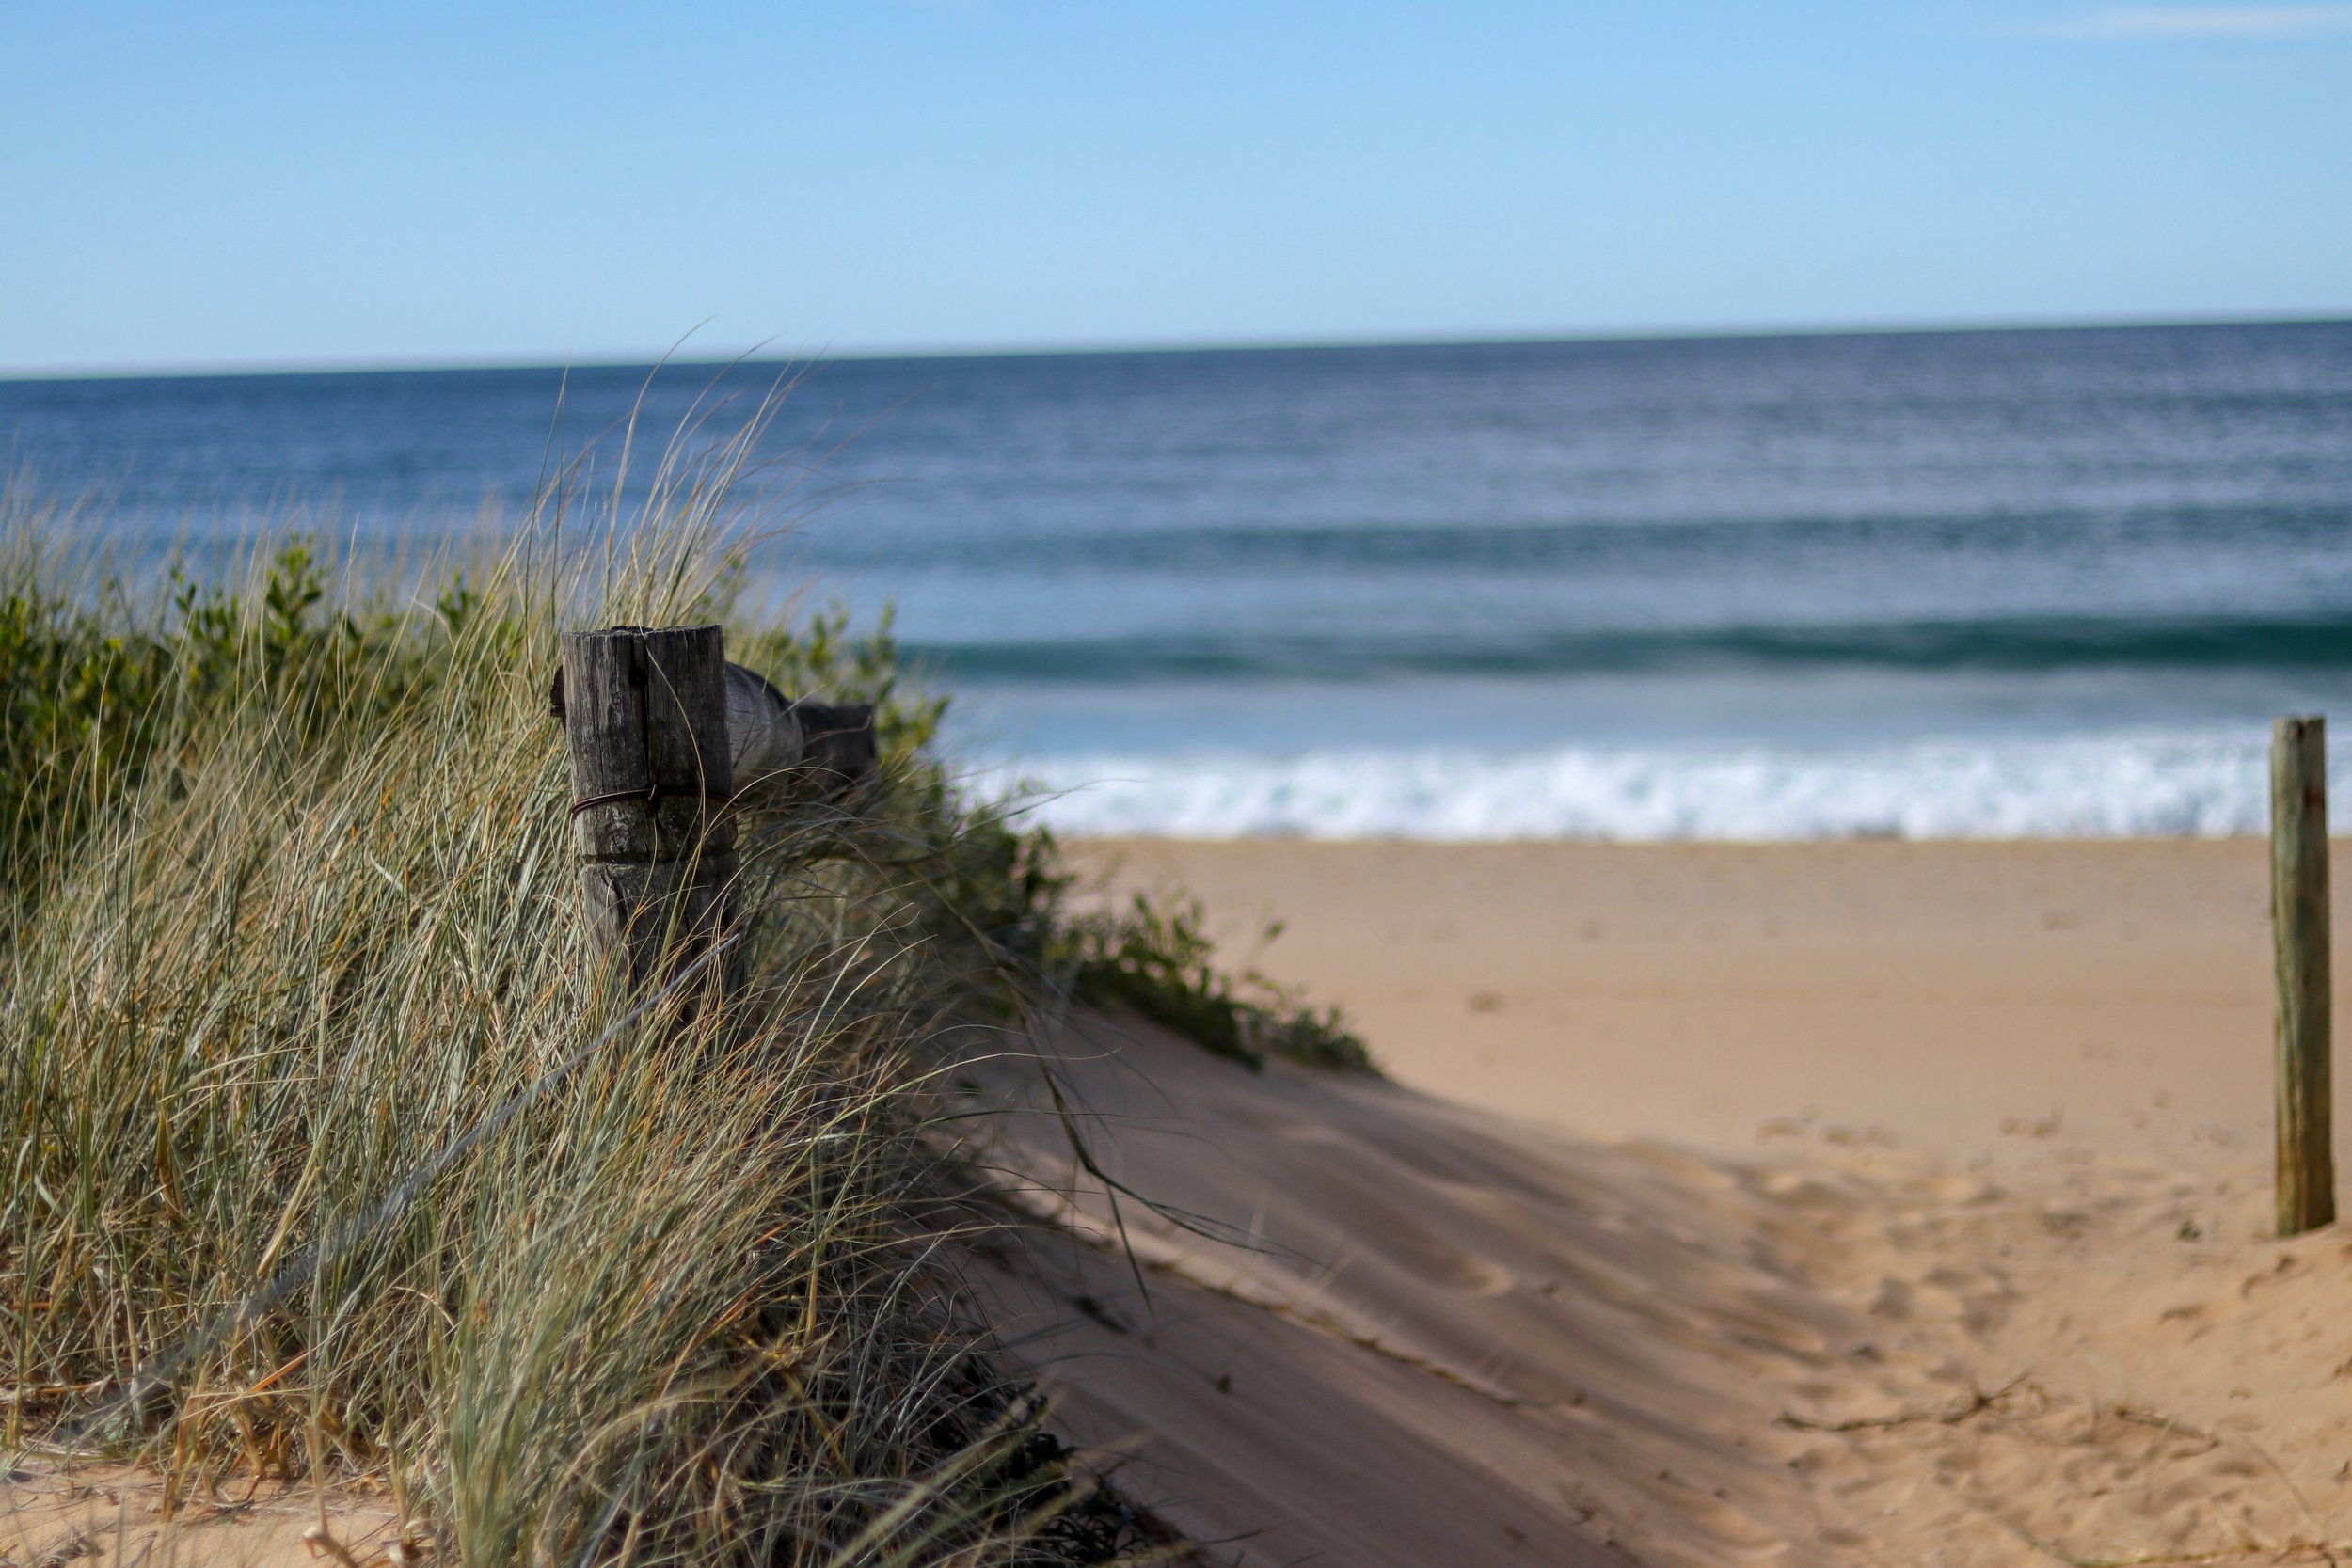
(645, 711)
(2298, 914)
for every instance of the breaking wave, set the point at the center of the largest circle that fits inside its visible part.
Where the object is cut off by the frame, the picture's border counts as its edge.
(2117, 787)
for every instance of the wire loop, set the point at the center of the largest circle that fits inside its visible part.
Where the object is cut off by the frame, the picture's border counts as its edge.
(653, 797)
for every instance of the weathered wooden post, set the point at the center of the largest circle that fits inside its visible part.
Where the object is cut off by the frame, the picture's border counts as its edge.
(2298, 916)
(645, 712)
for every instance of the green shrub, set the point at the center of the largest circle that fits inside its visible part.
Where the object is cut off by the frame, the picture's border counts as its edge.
(1156, 957)
(93, 687)
(289, 896)
(295, 914)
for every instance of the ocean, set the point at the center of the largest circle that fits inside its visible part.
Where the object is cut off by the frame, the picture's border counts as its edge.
(2013, 583)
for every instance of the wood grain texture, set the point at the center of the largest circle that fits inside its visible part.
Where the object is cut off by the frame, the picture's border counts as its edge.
(789, 749)
(2298, 905)
(645, 716)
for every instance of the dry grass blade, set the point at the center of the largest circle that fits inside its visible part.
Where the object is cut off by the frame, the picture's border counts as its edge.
(293, 1049)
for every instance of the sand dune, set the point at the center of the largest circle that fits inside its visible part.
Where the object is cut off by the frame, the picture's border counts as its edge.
(1422, 1332)
(1424, 1335)
(1830, 1205)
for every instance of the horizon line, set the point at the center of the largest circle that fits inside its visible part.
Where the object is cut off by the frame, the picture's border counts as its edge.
(759, 354)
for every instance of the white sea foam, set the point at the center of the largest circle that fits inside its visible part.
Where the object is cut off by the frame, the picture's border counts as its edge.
(2111, 786)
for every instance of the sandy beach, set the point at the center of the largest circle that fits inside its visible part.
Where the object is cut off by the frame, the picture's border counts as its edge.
(1827, 1206)
(1857, 1203)
(1998, 1001)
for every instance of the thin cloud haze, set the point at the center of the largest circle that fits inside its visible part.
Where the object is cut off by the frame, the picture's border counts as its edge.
(2243, 21)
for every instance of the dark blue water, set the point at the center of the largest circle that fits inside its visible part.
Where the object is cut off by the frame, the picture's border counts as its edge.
(1244, 567)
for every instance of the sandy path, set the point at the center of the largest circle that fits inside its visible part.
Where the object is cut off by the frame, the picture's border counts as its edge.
(1872, 1298)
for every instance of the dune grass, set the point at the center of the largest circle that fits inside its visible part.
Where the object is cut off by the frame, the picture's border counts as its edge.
(290, 907)
(1154, 955)
(329, 1158)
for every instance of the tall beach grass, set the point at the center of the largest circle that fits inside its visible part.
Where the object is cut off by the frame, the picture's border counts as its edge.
(290, 907)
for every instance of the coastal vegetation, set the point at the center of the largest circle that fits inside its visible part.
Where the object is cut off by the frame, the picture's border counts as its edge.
(329, 1160)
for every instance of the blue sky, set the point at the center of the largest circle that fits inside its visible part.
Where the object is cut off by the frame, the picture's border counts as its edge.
(304, 184)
